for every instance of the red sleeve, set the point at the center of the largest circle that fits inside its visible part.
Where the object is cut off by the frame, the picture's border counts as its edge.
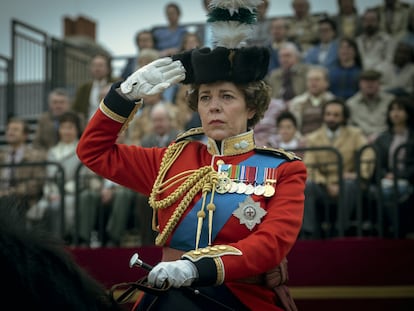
(131, 166)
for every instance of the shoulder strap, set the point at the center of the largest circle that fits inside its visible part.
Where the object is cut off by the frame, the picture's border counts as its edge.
(288, 155)
(190, 133)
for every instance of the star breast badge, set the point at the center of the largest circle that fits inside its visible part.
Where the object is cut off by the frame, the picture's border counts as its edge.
(249, 213)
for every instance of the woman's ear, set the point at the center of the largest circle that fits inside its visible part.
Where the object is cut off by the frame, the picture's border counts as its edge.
(251, 113)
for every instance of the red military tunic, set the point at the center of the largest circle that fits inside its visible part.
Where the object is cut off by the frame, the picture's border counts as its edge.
(262, 241)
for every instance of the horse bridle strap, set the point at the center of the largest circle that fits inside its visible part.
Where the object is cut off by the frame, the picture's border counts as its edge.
(130, 288)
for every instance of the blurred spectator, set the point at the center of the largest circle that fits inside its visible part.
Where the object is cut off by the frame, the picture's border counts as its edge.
(87, 95)
(303, 27)
(20, 186)
(400, 130)
(190, 41)
(88, 209)
(322, 187)
(267, 126)
(98, 198)
(278, 36)
(325, 52)
(369, 105)
(106, 210)
(46, 134)
(375, 46)
(163, 130)
(203, 30)
(344, 73)
(168, 38)
(146, 56)
(307, 106)
(64, 153)
(399, 76)
(162, 134)
(119, 203)
(144, 39)
(260, 35)
(142, 125)
(348, 23)
(393, 17)
(288, 80)
(288, 136)
(408, 36)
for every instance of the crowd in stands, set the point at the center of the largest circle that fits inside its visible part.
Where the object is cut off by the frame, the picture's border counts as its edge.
(343, 81)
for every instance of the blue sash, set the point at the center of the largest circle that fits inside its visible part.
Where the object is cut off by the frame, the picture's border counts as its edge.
(185, 234)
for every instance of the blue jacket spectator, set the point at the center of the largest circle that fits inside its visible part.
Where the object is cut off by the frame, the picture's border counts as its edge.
(344, 73)
(325, 53)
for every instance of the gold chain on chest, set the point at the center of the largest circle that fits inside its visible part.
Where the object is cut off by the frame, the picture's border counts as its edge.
(192, 181)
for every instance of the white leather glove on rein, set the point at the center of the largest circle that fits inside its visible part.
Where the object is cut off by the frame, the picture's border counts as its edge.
(153, 78)
(178, 273)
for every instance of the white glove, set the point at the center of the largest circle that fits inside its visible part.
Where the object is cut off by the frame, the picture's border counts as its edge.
(153, 78)
(178, 273)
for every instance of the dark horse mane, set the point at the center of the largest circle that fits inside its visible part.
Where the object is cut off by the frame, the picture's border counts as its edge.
(41, 272)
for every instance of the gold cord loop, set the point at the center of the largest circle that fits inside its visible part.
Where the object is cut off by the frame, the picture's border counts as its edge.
(193, 181)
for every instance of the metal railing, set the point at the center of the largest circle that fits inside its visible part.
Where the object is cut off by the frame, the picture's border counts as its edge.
(5, 89)
(362, 183)
(38, 64)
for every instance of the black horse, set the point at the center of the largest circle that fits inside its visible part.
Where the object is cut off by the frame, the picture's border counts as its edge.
(39, 273)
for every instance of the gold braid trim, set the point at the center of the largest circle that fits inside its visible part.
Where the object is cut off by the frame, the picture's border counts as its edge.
(131, 115)
(110, 114)
(214, 252)
(181, 208)
(195, 180)
(211, 252)
(220, 270)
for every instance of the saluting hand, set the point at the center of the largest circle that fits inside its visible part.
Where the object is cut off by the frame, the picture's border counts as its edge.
(153, 78)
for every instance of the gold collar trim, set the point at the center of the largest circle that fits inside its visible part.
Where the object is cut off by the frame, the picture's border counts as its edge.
(235, 145)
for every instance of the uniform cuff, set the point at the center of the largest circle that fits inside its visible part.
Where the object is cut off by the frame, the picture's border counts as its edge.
(210, 271)
(116, 106)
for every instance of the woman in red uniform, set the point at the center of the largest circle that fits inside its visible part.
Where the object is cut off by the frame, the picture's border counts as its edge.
(227, 213)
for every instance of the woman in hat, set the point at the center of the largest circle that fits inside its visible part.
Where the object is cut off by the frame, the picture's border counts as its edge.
(227, 213)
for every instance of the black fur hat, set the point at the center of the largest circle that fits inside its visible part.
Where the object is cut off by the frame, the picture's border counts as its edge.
(240, 65)
(232, 22)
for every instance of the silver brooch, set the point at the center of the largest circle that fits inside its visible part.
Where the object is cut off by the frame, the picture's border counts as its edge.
(249, 213)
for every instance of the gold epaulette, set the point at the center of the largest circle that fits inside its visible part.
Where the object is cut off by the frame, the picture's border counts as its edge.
(288, 155)
(211, 252)
(191, 132)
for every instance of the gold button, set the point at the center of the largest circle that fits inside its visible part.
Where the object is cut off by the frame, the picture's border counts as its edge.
(222, 248)
(220, 162)
(205, 250)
